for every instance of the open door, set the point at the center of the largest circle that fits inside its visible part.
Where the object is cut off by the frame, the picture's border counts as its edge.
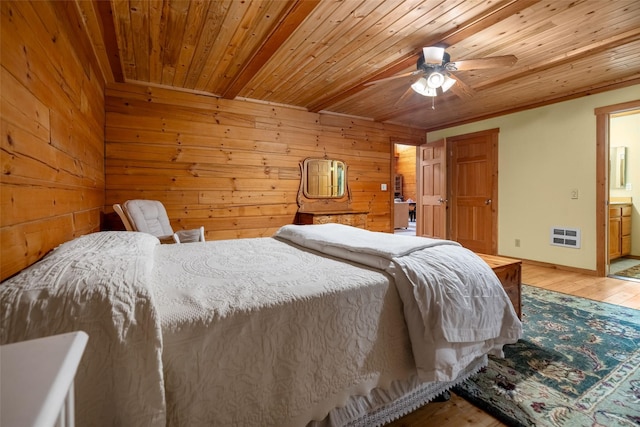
(431, 218)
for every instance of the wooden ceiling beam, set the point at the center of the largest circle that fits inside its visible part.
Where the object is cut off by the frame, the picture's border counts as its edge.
(110, 39)
(93, 29)
(97, 19)
(294, 15)
(497, 13)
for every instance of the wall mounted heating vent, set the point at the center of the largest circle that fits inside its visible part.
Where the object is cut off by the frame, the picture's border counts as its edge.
(567, 237)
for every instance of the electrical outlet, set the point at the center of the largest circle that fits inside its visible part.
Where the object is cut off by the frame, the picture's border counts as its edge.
(517, 243)
(383, 187)
(574, 193)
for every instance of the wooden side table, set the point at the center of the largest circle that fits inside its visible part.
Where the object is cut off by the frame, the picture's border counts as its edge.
(509, 271)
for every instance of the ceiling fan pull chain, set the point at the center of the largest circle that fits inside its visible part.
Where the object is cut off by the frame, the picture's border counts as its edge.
(433, 102)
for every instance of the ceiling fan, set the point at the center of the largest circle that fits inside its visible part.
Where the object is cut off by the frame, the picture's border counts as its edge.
(435, 66)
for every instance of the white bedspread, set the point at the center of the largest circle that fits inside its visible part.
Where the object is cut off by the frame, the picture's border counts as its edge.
(255, 331)
(258, 332)
(454, 304)
(99, 284)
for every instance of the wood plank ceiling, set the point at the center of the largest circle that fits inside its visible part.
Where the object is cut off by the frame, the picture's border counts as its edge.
(320, 55)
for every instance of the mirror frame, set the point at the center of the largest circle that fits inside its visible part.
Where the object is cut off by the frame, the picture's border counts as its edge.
(618, 168)
(333, 163)
(306, 200)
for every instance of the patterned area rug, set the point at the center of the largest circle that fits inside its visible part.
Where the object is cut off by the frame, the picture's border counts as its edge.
(577, 365)
(633, 272)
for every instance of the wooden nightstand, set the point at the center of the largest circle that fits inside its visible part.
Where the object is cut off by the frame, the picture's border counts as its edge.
(509, 271)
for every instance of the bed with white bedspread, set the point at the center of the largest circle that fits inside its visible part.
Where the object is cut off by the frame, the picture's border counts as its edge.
(322, 324)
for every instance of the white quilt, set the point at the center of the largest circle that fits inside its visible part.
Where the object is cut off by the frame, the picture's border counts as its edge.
(260, 333)
(454, 304)
(98, 283)
(255, 331)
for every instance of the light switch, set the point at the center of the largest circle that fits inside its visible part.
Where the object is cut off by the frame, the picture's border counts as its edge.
(383, 187)
(574, 193)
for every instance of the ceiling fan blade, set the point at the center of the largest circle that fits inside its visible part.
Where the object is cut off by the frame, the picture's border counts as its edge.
(461, 89)
(433, 55)
(482, 63)
(411, 73)
(407, 93)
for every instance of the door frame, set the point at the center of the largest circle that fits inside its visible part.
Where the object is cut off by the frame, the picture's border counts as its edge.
(603, 117)
(416, 143)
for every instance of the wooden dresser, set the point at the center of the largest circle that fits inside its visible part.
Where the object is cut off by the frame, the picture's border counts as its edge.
(509, 271)
(346, 217)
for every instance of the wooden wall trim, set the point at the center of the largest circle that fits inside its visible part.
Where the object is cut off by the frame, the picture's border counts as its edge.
(602, 193)
(618, 108)
(560, 267)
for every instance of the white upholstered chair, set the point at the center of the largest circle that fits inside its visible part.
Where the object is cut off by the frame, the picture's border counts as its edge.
(150, 216)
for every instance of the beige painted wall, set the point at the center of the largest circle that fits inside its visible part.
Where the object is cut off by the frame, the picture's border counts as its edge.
(544, 154)
(625, 132)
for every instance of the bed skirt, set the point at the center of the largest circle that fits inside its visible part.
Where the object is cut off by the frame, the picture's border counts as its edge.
(383, 406)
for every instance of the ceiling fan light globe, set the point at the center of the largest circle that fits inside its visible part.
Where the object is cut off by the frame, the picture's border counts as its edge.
(433, 55)
(423, 88)
(435, 80)
(420, 86)
(448, 82)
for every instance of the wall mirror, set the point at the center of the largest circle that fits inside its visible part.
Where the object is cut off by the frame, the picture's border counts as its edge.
(617, 167)
(324, 179)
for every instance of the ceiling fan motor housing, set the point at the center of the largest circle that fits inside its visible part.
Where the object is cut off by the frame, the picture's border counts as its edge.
(428, 68)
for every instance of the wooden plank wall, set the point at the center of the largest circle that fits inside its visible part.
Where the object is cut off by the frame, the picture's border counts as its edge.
(233, 165)
(52, 124)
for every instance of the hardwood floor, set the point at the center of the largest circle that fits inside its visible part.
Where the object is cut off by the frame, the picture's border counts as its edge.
(457, 412)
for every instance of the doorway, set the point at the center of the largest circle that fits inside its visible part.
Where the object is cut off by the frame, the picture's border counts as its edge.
(608, 199)
(404, 170)
(624, 162)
